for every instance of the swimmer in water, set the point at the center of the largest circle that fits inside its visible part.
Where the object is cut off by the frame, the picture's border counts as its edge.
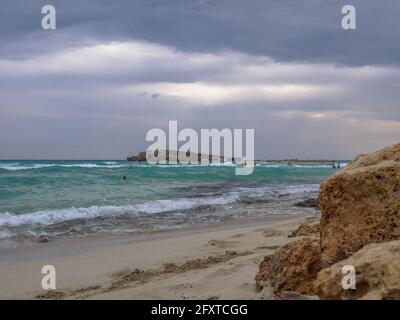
(124, 177)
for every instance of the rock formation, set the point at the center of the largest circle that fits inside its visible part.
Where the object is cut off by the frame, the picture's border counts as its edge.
(140, 157)
(361, 204)
(189, 156)
(360, 227)
(292, 268)
(305, 230)
(377, 274)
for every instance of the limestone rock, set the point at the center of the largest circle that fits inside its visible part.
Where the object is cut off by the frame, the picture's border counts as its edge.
(292, 268)
(305, 230)
(174, 156)
(140, 157)
(361, 204)
(377, 274)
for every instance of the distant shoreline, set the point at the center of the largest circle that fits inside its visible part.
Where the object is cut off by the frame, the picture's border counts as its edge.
(258, 160)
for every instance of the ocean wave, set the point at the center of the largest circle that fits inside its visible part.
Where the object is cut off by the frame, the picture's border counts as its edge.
(106, 165)
(300, 189)
(271, 165)
(91, 165)
(7, 234)
(16, 166)
(278, 190)
(205, 205)
(10, 167)
(325, 166)
(240, 194)
(110, 162)
(49, 217)
(303, 166)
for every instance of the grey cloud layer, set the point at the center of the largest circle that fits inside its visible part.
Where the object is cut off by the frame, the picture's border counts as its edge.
(286, 30)
(113, 70)
(99, 101)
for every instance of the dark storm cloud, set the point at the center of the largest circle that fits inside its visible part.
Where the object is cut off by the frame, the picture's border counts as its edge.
(285, 30)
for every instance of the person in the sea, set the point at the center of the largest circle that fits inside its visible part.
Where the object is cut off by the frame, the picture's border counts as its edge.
(333, 165)
(124, 177)
(338, 165)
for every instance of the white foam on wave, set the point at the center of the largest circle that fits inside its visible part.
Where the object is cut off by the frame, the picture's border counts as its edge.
(6, 234)
(45, 218)
(107, 165)
(11, 167)
(303, 166)
(114, 164)
(299, 189)
(40, 166)
(278, 190)
(325, 166)
(90, 165)
(49, 217)
(271, 165)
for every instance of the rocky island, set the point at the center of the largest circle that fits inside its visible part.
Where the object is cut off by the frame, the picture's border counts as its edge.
(190, 156)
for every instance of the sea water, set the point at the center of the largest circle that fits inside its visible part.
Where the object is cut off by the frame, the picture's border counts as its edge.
(79, 198)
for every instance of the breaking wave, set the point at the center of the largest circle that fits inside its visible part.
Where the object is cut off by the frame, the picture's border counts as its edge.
(49, 217)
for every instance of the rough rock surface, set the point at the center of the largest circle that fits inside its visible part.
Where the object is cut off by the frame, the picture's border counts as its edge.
(176, 155)
(361, 204)
(377, 274)
(306, 230)
(292, 268)
(140, 157)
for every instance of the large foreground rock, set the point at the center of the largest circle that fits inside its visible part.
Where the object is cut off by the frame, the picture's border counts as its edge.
(361, 205)
(292, 268)
(377, 274)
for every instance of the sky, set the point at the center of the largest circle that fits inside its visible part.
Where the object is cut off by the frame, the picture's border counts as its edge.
(111, 71)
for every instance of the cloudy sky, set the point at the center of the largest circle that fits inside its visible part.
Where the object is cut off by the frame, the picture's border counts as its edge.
(111, 71)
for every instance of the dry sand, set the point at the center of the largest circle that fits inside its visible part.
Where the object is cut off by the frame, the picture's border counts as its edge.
(217, 262)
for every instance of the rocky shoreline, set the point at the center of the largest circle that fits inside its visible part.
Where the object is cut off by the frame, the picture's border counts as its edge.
(359, 227)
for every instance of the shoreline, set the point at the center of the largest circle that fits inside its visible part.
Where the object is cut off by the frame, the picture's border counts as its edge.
(134, 266)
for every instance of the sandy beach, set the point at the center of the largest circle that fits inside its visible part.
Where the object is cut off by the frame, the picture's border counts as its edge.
(218, 262)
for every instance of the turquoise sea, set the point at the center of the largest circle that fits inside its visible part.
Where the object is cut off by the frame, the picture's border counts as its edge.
(78, 198)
